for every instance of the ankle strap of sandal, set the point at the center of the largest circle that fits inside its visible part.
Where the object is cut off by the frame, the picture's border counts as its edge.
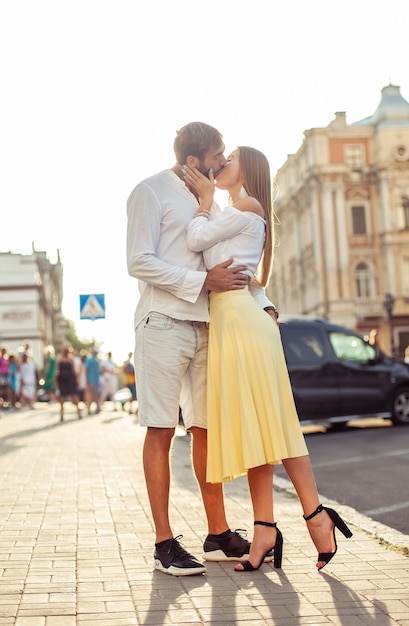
(258, 523)
(317, 510)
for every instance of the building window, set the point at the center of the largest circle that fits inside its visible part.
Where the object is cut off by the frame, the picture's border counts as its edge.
(354, 155)
(363, 281)
(404, 209)
(358, 220)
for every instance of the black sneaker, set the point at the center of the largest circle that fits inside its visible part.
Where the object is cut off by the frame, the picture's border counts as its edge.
(171, 558)
(229, 546)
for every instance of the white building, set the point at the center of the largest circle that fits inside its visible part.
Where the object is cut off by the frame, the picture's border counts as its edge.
(30, 302)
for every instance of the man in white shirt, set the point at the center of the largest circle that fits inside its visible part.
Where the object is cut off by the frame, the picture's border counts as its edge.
(171, 340)
(108, 379)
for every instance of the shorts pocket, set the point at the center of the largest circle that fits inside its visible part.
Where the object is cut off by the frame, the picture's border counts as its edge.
(159, 321)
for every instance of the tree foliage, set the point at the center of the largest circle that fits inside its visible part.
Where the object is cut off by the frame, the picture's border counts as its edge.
(73, 340)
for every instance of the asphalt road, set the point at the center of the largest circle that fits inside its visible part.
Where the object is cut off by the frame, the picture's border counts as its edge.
(365, 466)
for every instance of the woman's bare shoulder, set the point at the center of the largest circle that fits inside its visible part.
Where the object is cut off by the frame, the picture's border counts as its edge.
(250, 205)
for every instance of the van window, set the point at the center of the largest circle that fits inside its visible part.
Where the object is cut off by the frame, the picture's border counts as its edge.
(351, 348)
(302, 346)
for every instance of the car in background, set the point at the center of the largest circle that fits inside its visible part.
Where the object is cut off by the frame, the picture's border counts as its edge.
(336, 376)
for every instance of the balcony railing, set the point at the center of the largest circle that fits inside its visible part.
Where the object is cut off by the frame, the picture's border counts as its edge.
(370, 307)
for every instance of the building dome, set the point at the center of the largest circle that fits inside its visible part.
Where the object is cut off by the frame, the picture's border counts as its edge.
(392, 110)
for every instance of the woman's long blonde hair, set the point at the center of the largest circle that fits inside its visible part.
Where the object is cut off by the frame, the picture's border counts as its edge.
(255, 171)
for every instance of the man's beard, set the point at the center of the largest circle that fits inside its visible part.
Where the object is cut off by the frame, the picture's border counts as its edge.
(203, 170)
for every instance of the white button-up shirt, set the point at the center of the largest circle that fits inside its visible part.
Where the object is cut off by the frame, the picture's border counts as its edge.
(229, 234)
(171, 276)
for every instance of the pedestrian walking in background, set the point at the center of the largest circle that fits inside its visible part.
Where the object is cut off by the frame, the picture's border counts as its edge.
(48, 372)
(129, 376)
(4, 378)
(28, 378)
(93, 368)
(109, 381)
(15, 380)
(67, 380)
(81, 372)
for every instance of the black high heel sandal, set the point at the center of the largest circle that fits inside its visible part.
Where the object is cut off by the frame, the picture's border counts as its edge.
(277, 547)
(338, 523)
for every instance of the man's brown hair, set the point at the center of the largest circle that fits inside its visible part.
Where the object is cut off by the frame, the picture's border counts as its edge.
(195, 139)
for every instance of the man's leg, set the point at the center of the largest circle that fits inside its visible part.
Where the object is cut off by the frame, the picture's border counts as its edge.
(160, 365)
(221, 544)
(170, 556)
(157, 476)
(212, 493)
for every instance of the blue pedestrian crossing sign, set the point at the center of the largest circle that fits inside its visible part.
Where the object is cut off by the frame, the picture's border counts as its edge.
(92, 306)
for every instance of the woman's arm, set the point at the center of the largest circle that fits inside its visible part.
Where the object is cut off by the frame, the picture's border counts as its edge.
(202, 233)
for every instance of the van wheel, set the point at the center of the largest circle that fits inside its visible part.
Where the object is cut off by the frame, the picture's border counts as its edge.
(400, 407)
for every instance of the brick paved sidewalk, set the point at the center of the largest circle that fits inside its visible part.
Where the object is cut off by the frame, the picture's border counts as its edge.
(76, 541)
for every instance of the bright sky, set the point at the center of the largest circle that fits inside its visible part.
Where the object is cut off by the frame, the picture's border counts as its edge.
(93, 92)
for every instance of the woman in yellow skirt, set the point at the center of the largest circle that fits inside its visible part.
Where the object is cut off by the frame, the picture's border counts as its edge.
(252, 420)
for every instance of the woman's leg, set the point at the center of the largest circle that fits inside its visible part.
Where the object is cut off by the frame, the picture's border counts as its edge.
(300, 473)
(260, 481)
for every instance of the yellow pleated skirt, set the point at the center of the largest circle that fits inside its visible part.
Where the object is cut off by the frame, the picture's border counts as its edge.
(252, 419)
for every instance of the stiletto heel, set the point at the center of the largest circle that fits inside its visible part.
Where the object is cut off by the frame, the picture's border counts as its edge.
(338, 522)
(277, 547)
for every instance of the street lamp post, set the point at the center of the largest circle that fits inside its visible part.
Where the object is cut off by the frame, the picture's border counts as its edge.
(388, 304)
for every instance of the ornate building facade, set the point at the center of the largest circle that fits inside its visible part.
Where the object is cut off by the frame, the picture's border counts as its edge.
(343, 232)
(30, 302)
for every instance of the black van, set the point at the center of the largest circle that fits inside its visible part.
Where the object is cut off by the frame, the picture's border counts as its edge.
(337, 376)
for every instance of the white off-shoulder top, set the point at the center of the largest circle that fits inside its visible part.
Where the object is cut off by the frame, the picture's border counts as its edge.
(228, 233)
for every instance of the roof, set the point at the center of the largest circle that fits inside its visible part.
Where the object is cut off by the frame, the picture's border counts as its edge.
(393, 109)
